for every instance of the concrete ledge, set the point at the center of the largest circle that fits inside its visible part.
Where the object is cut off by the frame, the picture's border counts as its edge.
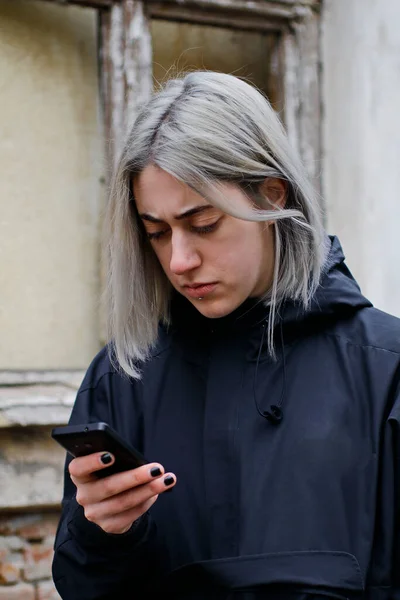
(69, 378)
(37, 397)
(35, 405)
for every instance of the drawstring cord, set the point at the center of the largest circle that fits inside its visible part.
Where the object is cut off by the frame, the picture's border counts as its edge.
(275, 413)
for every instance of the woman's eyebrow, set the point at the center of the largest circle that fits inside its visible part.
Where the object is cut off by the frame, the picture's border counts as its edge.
(188, 213)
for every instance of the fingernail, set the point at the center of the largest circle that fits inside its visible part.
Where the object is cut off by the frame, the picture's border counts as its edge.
(106, 458)
(155, 472)
(169, 480)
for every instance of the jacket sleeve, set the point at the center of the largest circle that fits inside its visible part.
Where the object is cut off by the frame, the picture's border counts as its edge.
(88, 563)
(385, 567)
(394, 420)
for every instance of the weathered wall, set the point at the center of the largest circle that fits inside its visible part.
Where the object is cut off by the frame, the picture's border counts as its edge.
(51, 156)
(361, 74)
(51, 153)
(26, 553)
(31, 478)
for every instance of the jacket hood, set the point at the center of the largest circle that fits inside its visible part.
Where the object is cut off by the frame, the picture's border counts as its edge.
(337, 295)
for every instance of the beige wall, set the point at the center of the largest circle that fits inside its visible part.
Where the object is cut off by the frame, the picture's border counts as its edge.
(50, 191)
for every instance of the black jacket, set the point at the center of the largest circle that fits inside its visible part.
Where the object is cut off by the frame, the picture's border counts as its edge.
(304, 507)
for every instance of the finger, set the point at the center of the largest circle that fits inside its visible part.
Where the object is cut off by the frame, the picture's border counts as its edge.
(125, 501)
(118, 483)
(91, 490)
(82, 467)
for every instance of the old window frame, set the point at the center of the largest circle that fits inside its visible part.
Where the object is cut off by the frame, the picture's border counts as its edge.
(125, 59)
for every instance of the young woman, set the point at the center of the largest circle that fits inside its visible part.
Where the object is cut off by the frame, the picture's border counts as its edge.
(246, 364)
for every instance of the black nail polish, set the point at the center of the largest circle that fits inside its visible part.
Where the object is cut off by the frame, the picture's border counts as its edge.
(155, 472)
(168, 480)
(106, 458)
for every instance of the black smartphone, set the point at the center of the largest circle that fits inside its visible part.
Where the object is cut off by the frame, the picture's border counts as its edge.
(80, 440)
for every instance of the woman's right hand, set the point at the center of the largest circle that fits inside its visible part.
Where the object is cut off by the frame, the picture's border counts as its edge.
(115, 502)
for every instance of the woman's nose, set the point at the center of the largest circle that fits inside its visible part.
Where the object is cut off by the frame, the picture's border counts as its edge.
(184, 257)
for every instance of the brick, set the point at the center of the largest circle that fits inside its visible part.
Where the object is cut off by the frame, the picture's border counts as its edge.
(44, 527)
(11, 543)
(46, 591)
(10, 572)
(38, 560)
(21, 591)
(11, 559)
(30, 527)
(6, 556)
(12, 525)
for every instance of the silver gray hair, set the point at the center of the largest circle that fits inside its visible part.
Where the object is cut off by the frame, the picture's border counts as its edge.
(206, 128)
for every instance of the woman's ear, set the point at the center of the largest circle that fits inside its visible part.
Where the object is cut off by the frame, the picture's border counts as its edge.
(275, 191)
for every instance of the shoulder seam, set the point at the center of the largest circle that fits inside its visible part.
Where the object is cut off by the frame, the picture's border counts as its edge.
(94, 385)
(366, 346)
(112, 371)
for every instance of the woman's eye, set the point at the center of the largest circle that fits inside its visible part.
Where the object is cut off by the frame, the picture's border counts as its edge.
(155, 235)
(205, 228)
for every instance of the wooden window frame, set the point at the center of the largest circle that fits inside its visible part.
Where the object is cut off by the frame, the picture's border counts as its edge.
(125, 59)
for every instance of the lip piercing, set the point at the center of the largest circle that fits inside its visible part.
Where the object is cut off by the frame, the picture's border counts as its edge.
(199, 298)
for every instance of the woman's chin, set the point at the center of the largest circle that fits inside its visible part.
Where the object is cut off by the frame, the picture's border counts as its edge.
(213, 308)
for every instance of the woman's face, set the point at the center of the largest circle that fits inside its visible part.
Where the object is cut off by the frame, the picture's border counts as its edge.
(213, 259)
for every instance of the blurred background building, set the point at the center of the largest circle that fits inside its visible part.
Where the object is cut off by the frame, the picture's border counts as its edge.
(72, 75)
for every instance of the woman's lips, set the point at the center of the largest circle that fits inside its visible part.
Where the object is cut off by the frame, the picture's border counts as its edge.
(200, 291)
